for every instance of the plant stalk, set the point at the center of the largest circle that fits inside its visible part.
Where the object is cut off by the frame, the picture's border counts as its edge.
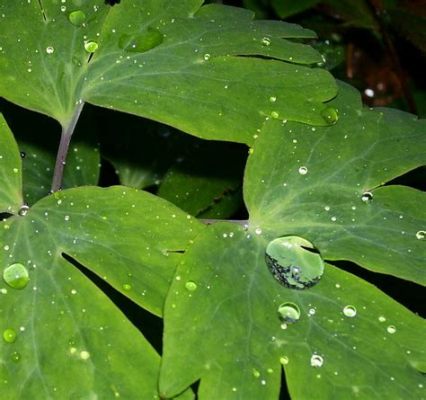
(61, 157)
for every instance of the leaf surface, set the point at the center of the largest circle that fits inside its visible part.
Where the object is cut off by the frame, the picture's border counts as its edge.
(170, 61)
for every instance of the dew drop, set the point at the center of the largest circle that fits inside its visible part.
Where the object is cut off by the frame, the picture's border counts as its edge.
(191, 286)
(23, 211)
(16, 276)
(284, 360)
(50, 50)
(275, 115)
(9, 335)
(367, 197)
(349, 311)
(16, 356)
(316, 361)
(272, 99)
(206, 57)
(421, 235)
(330, 115)
(77, 18)
(127, 287)
(266, 41)
(142, 42)
(90, 46)
(391, 329)
(294, 262)
(303, 170)
(289, 312)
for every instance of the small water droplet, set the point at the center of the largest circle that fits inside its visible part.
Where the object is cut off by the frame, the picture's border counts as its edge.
(258, 231)
(273, 99)
(142, 42)
(23, 154)
(382, 318)
(266, 41)
(23, 211)
(391, 329)
(16, 356)
(90, 46)
(84, 355)
(50, 50)
(256, 373)
(191, 286)
(9, 335)
(289, 312)
(284, 360)
(275, 115)
(349, 311)
(206, 57)
(421, 235)
(330, 115)
(77, 18)
(367, 197)
(303, 170)
(16, 276)
(127, 287)
(316, 361)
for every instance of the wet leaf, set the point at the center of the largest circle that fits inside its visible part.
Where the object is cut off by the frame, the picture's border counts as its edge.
(171, 61)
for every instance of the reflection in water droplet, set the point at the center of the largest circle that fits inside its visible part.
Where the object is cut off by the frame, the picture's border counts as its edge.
(289, 312)
(316, 361)
(330, 115)
(391, 329)
(77, 18)
(349, 311)
(9, 335)
(366, 197)
(421, 235)
(293, 262)
(16, 276)
(191, 286)
(16, 356)
(142, 42)
(90, 46)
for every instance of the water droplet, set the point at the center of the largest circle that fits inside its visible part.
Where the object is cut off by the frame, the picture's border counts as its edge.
(77, 18)
(256, 373)
(330, 115)
(16, 276)
(16, 356)
(90, 46)
(266, 41)
(275, 115)
(294, 262)
(421, 235)
(9, 335)
(206, 57)
(316, 361)
(284, 360)
(272, 99)
(349, 311)
(366, 197)
(23, 210)
(142, 42)
(289, 312)
(391, 329)
(382, 318)
(50, 50)
(127, 287)
(84, 355)
(303, 170)
(23, 154)
(191, 286)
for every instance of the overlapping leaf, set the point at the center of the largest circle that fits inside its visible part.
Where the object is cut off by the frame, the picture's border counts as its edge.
(130, 239)
(171, 61)
(351, 339)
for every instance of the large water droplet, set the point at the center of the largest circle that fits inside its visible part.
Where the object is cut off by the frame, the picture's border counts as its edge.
(90, 46)
(294, 262)
(391, 329)
(349, 311)
(77, 18)
(16, 276)
(289, 312)
(142, 42)
(421, 235)
(23, 211)
(316, 361)
(367, 197)
(9, 335)
(330, 115)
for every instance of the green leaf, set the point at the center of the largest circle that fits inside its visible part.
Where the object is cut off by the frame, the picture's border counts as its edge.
(119, 234)
(311, 182)
(10, 171)
(350, 340)
(167, 60)
(287, 8)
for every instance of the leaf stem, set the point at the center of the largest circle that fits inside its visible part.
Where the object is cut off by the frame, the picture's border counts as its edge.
(64, 144)
(242, 222)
